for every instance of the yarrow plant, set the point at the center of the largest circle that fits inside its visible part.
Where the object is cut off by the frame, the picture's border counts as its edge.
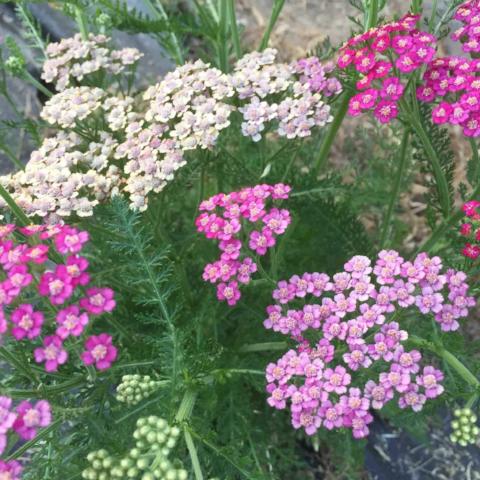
(469, 33)
(154, 441)
(470, 229)
(322, 378)
(145, 138)
(70, 308)
(451, 84)
(22, 422)
(125, 173)
(385, 57)
(227, 218)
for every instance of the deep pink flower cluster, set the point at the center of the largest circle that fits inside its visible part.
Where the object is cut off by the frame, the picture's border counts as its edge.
(469, 33)
(59, 285)
(452, 84)
(317, 76)
(470, 229)
(381, 56)
(25, 420)
(225, 218)
(318, 380)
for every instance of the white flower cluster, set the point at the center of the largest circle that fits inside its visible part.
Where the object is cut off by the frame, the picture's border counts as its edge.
(134, 145)
(135, 388)
(72, 105)
(62, 177)
(149, 460)
(258, 77)
(74, 58)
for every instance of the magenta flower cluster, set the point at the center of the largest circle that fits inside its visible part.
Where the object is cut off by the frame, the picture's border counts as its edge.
(317, 76)
(59, 285)
(352, 332)
(469, 33)
(452, 83)
(25, 420)
(381, 56)
(229, 217)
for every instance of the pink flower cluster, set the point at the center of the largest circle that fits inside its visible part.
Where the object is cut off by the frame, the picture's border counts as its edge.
(470, 229)
(316, 75)
(59, 285)
(318, 379)
(25, 420)
(469, 33)
(225, 217)
(381, 56)
(452, 83)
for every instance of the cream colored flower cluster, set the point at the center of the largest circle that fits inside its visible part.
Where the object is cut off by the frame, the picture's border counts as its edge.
(72, 105)
(64, 177)
(72, 59)
(134, 145)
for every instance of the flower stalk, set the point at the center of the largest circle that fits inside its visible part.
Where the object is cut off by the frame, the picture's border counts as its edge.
(402, 164)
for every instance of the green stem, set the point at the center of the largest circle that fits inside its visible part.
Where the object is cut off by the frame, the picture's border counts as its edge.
(234, 28)
(264, 347)
(34, 82)
(276, 10)
(372, 15)
(431, 22)
(11, 156)
(222, 49)
(440, 179)
(449, 358)
(324, 151)
(448, 223)
(197, 469)
(40, 435)
(158, 11)
(22, 218)
(417, 6)
(186, 406)
(82, 26)
(396, 187)
(476, 159)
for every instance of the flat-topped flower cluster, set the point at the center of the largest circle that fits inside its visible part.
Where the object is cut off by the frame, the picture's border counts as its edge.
(382, 57)
(226, 218)
(350, 331)
(452, 85)
(469, 33)
(21, 422)
(470, 229)
(29, 275)
(72, 59)
(109, 143)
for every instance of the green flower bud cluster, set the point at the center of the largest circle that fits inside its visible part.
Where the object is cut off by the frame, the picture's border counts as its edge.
(148, 460)
(464, 427)
(134, 388)
(104, 20)
(101, 463)
(14, 65)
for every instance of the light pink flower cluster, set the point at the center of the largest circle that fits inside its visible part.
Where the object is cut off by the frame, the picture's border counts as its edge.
(25, 420)
(452, 84)
(316, 75)
(226, 217)
(260, 80)
(60, 285)
(72, 105)
(63, 177)
(382, 56)
(73, 59)
(352, 332)
(469, 33)
(470, 229)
